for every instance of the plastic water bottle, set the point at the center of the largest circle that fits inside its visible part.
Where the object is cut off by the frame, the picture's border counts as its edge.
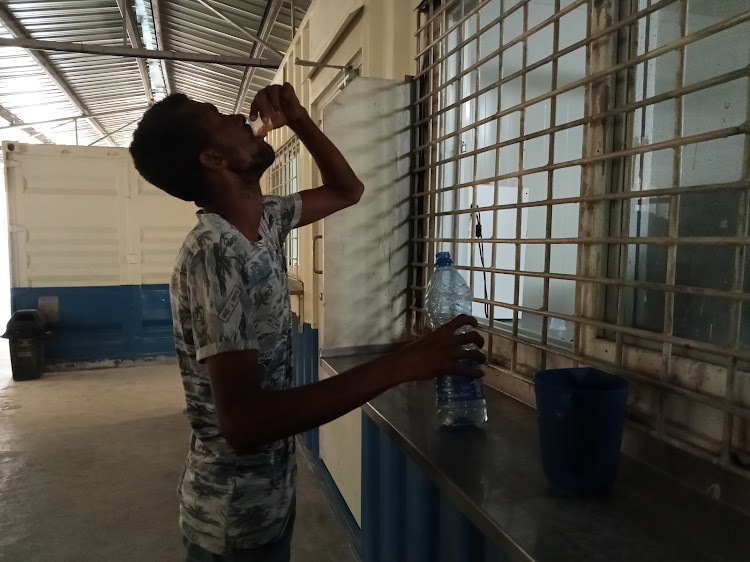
(460, 400)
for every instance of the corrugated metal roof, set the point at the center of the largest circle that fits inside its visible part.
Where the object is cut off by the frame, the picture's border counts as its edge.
(104, 84)
(29, 94)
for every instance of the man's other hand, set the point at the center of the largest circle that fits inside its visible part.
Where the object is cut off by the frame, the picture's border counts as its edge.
(442, 352)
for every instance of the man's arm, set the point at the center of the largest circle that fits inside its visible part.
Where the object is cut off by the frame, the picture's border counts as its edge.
(341, 187)
(250, 416)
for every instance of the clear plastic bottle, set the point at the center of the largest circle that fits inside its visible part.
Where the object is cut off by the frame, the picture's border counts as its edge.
(460, 400)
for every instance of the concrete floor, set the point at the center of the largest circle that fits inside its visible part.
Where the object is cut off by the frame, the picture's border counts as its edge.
(89, 463)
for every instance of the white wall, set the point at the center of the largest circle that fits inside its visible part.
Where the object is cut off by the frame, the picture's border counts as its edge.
(365, 247)
(83, 216)
(374, 35)
(92, 245)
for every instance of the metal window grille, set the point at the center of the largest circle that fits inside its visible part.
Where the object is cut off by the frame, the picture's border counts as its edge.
(587, 163)
(283, 180)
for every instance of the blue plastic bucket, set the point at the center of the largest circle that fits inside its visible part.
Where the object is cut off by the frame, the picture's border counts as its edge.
(581, 418)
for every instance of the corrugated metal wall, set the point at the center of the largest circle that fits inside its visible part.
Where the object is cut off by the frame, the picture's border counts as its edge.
(305, 350)
(404, 515)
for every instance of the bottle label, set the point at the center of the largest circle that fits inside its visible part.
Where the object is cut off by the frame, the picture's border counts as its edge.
(458, 389)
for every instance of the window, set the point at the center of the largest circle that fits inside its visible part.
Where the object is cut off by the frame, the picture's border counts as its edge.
(283, 180)
(588, 166)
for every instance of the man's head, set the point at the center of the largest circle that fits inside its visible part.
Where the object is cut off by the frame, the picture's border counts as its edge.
(190, 150)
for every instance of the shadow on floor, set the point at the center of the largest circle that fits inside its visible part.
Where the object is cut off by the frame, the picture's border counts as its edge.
(89, 464)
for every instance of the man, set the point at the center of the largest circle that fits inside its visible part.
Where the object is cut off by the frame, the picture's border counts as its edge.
(232, 320)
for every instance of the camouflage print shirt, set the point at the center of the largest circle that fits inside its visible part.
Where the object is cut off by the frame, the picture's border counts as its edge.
(230, 294)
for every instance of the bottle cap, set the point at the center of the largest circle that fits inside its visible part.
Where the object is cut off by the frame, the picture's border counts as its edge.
(443, 258)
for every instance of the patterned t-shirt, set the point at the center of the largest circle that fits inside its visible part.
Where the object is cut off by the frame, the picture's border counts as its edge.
(230, 294)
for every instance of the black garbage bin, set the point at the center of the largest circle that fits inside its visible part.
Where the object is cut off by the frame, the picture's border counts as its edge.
(27, 332)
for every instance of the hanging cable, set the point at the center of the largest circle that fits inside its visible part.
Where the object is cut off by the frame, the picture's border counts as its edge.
(478, 234)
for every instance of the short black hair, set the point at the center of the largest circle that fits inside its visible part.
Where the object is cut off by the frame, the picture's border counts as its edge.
(166, 147)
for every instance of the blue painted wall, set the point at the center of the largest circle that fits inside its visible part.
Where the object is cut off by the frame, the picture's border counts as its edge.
(125, 322)
(305, 356)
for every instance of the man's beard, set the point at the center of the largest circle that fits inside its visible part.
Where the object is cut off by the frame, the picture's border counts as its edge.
(264, 158)
(260, 161)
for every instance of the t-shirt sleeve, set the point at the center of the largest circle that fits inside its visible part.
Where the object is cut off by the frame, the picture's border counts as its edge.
(283, 213)
(220, 305)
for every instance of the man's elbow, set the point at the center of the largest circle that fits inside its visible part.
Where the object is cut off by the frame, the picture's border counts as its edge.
(243, 443)
(355, 193)
(243, 438)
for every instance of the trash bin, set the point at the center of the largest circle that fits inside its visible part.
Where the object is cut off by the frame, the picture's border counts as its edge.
(581, 418)
(27, 332)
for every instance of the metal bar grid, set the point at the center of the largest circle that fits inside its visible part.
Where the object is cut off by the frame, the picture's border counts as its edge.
(435, 23)
(736, 295)
(634, 332)
(624, 22)
(593, 362)
(622, 110)
(517, 40)
(627, 90)
(689, 39)
(719, 350)
(740, 186)
(519, 197)
(475, 247)
(429, 25)
(738, 284)
(674, 217)
(457, 48)
(432, 14)
(662, 241)
(550, 184)
(714, 402)
(532, 160)
(631, 151)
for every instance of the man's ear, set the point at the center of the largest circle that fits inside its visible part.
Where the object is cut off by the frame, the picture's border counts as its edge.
(212, 159)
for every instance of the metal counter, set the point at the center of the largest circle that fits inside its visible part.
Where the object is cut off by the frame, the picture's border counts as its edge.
(494, 476)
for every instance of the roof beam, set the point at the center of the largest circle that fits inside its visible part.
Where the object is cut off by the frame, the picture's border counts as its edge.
(72, 118)
(129, 21)
(67, 47)
(17, 30)
(257, 38)
(293, 18)
(19, 124)
(117, 130)
(264, 30)
(156, 14)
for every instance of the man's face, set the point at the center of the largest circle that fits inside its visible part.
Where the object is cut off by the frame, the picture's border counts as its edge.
(246, 155)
